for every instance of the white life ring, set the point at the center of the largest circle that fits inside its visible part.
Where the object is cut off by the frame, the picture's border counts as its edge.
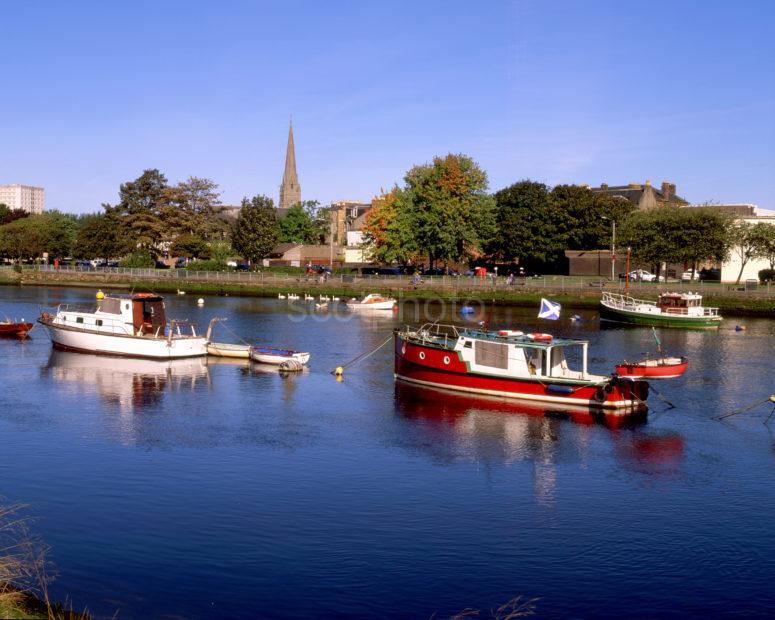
(540, 337)
(446, 359)
(422, 355)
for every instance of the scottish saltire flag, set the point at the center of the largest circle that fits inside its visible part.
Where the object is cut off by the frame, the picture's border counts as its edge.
(549, 310)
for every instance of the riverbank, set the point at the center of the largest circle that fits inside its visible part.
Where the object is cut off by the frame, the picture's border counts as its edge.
(730, 303)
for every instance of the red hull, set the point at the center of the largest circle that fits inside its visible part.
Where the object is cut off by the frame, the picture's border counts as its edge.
(661, 371)
(442, 368)
(18, 330)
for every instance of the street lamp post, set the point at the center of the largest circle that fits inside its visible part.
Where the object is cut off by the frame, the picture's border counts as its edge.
(613, 251)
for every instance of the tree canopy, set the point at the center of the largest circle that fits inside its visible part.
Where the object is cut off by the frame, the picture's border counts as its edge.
(305, 222)
(255, 232)
(443, 212)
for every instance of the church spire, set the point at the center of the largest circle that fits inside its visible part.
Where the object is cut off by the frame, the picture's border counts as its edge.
(290, 190)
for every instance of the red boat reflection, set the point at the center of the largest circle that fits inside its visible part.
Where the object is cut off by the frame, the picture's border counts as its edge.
(414, 401)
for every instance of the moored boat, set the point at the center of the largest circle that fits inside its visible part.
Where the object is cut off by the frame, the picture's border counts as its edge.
(277, 357)
(513, 365)
(659, 368)
(127, 325)
(670, 310)
(17, 329)
(226, 349)
(372, 301)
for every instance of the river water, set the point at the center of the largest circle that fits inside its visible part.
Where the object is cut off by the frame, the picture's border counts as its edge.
(203, 489)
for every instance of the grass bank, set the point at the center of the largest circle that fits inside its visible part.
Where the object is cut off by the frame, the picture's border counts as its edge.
(729, 303)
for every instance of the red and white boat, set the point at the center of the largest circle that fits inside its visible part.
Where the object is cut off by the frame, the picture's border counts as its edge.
(511, 364)
(17, 329)
(659, 368)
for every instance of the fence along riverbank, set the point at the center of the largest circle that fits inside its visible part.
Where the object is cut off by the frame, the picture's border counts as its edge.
(572, 291)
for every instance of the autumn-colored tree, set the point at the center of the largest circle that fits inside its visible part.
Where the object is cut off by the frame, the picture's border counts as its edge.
(388, 229)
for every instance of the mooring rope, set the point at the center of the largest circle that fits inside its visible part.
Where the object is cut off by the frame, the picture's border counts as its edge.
(363, 356)
(739, 411)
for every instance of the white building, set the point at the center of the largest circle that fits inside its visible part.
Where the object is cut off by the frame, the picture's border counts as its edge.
(25, 197)
(731, 267)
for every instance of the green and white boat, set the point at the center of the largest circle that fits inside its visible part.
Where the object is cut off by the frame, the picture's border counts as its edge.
(670, 310)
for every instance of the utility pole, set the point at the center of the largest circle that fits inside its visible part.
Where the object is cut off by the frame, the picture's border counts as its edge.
(613, 252)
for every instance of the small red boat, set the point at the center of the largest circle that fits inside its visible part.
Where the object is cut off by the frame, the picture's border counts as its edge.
(660, 368)
(657, 367)
(14, 328)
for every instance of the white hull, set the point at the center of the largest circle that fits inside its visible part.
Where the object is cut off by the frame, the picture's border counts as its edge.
(276, 360)
(379, 305)
(130, 346)
(237, 351)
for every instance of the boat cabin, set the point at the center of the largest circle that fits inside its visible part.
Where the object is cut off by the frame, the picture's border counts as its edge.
(138, 314)
(678, 303)
(144, 311)
(509, 353)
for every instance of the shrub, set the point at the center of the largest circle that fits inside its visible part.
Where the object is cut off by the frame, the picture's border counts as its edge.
(766, 275)
(207, 265)
(138, 259)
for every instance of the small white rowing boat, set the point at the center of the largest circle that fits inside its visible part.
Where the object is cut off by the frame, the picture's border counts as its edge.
(225, 349)
(270, 355)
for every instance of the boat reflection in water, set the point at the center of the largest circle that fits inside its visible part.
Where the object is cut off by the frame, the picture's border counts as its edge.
(424, 402)
(130, 383)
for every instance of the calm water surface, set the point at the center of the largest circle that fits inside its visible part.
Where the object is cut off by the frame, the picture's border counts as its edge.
(204, 489)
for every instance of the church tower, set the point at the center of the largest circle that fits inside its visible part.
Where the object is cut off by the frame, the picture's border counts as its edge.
(290, 191)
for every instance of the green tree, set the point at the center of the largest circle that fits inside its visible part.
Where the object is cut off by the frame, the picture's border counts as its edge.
(141, 205)
(451, 213)
(190, 246)
(193, 206)
(20, 240)
(102, 236)
(530, 226)
(255, 231)
(765, 240)
(746, 244)
(388, 231)
(7, 215)
(57, 232)
(300, 224)
(677, 235)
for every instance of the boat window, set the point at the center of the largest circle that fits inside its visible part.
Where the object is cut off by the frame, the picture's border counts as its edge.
(99, 322)
(535, 360)
(79, 319)
(468, 344)
(492, 354)
(111, 304)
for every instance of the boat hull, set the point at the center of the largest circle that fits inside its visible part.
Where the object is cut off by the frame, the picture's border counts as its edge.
(667, 370)
(434, 367)
(68, 339)
(380, 305)
(276, 359)
(15, 330)
(235, 351)
(658, 320)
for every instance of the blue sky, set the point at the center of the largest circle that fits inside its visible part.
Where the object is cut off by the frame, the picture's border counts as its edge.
(560, 92)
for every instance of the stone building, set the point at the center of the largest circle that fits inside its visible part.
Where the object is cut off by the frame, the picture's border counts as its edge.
(644, 196)
(290, 190)
(25, 197)
(347, 216)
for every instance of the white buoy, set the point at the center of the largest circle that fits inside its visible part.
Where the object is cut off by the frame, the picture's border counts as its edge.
(200, 302)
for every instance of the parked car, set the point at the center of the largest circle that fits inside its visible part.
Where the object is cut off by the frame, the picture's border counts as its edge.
(181, 262)
(688, 276)
(641, 275)
(160, 264)
(243, 267)
(231, 263)
(712, 274)
(85, 265)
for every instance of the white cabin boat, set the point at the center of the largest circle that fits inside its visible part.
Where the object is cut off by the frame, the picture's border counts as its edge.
(126, 325)
(373, 301)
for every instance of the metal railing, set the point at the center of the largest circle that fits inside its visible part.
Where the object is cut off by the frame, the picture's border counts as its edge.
(268, 278)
